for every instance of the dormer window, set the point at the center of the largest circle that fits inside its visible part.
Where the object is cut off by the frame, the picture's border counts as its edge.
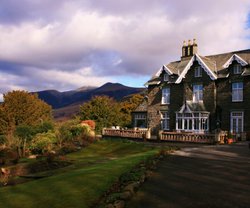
(166, 77)
(237, 69)
(198, 71)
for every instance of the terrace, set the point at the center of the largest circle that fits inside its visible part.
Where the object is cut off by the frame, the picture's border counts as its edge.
(144, 134)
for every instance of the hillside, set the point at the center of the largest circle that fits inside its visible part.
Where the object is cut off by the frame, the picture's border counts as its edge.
(66, 104)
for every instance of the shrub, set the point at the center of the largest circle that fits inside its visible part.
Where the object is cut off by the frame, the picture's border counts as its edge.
(43, 142)
(73, 131)
(8, 156)
(90, 123)
(44, 127)
(67, 148)
(2, 139)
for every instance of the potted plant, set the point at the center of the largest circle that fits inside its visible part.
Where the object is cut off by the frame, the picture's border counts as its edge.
(230, 138)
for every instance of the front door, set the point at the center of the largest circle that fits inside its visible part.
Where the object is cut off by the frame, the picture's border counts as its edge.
(237, 122)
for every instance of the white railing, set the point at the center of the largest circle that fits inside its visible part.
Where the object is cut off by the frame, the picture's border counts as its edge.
(187, 137)
(128, 133)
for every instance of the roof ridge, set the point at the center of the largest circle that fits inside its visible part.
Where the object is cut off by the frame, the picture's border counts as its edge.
(227, 53)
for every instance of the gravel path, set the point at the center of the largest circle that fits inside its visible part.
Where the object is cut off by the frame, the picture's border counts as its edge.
(203, 176)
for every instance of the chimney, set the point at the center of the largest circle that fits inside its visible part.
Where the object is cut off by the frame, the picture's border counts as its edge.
(190, 49)
(195, 47)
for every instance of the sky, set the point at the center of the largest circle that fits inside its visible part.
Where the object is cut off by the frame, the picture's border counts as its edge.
(67, 44)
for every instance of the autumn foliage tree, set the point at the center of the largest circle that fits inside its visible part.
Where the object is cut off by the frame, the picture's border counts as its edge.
(128, 106)
(105, 111)
(21, 108)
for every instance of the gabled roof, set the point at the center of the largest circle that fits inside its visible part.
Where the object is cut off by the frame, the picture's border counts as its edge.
(214, 65)
(163, 68)
(237, 58)
(204, 64)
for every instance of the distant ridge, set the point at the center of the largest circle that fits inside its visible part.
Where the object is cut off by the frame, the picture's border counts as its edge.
(68, 102)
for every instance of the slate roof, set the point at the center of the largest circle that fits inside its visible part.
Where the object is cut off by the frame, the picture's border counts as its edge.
(153, 81)
(190, 106)
(142, 107)
(196, 107)
(214, 62)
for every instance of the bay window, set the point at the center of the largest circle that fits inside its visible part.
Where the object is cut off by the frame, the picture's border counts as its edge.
(192, 122)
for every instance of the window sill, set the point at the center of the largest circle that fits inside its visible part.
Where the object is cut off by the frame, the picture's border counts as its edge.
(237, 101)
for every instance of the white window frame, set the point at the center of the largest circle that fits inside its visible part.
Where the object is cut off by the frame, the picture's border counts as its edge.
(197, 122)
(237, 119)
(139, 117)
(237, 91)
(197, 93)
(166, 77)
(165, 120)
(198, 71)
(237, 68)
(165, 95)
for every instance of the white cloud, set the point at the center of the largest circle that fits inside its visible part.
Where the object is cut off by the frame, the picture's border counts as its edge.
(89, 42)
(9, 82)
(78, 78)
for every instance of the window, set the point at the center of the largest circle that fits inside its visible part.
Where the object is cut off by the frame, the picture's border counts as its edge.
(237, 121)
(140, 116)
(140, 120)
(192, 122)
(165, 95)
(237, 92)
(166, 77)
(237, 69)
(197, 93)
(165, 120)
(198, 71)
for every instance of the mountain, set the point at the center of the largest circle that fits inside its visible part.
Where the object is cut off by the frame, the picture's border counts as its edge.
(65, 104)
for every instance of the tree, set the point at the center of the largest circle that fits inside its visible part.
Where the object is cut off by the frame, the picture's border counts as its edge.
(22, 108)
(105, 111)
(128, 106)
(23, 134)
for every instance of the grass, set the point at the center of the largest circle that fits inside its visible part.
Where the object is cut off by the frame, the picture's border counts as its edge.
(93, 171)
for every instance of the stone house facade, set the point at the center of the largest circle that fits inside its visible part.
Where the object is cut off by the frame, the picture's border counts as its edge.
(198, 94)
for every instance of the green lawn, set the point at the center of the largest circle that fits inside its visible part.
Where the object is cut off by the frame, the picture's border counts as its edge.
(93, 171)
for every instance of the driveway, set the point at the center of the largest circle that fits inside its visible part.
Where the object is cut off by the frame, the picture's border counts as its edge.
(204, 176)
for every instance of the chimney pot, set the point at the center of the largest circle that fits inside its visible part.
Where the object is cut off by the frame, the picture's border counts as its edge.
(189, 42)
(194, 42)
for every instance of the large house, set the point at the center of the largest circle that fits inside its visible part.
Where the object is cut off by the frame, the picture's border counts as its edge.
(198, 94)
